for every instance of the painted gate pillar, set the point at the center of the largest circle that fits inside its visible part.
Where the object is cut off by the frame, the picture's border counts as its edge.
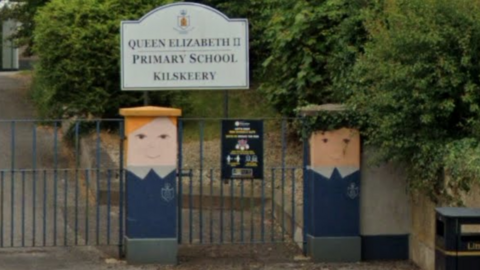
(151, 191)
(334, 231)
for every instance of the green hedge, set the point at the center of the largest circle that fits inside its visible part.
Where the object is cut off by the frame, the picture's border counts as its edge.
(77, 42)
(313, 46)
(418, 83)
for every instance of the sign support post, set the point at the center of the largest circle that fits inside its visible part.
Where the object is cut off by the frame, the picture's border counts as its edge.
(225, 104)
(146, 98)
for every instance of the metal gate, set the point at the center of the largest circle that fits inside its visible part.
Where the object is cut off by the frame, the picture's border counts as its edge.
(60, 187)
(218, 211)
(57, 186)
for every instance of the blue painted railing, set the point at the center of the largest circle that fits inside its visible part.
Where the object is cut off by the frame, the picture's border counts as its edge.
(215, 211)
(48, 197)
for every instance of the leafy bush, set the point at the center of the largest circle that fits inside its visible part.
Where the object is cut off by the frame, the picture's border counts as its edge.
(418, 82)
(258, 13)
(313, 46)
(77, 42)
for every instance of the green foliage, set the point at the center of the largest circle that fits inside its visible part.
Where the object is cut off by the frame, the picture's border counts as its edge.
(23, 11)
(77, 42)
(418, 82)
(258, 13)
(462, 164)
(328, 120)
(201, 104)
(79, 53)
(313, 46)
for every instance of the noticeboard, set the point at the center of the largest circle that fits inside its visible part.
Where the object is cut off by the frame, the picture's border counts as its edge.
(242, 149)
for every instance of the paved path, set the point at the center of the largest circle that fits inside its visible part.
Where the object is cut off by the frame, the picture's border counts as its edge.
(18, 202)
(263, 257)
(29, 214)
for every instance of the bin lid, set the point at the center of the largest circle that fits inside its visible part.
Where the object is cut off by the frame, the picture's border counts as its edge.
(459, 212)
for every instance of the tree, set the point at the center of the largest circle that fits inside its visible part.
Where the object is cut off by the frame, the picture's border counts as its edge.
(23, 11)
(78, 51)
(258, 13)
(77, 42)
(418, 83)
(313, 47)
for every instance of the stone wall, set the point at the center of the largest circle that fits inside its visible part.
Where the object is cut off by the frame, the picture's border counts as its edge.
(422, 239)
(385, 222)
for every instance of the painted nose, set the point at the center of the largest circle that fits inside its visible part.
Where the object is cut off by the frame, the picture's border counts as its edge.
(153, 151)
(338, 154)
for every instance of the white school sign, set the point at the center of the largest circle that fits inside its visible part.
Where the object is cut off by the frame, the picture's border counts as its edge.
(184, 46)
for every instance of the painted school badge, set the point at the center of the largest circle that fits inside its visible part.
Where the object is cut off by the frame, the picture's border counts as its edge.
(352, 191)
(168, 193)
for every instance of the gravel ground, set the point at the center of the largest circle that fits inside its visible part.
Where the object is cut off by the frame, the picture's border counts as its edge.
(275, 158)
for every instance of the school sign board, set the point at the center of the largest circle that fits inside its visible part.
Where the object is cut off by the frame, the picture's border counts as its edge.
(184, 46)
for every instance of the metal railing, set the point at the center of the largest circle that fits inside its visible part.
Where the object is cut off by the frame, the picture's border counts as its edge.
(218, 211)
(59, 184)
(60, 188)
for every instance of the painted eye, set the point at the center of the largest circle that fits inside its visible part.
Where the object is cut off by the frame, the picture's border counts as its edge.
(346, 140)
(163, 136)
(325, 140)
(141, 136)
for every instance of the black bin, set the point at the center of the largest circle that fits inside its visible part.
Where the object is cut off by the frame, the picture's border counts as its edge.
(457, 239)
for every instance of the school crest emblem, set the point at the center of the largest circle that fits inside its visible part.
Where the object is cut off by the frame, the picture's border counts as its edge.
(183, 22)
(352, 191)
(168, 193)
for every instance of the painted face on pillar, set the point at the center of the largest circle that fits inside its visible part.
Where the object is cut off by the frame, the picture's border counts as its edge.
(154, 144)
(336, 148)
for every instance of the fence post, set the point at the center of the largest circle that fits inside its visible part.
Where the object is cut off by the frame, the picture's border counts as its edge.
(334, 172)
(151, 158)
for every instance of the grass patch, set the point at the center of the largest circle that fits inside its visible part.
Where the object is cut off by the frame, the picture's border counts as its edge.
(242, 104)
